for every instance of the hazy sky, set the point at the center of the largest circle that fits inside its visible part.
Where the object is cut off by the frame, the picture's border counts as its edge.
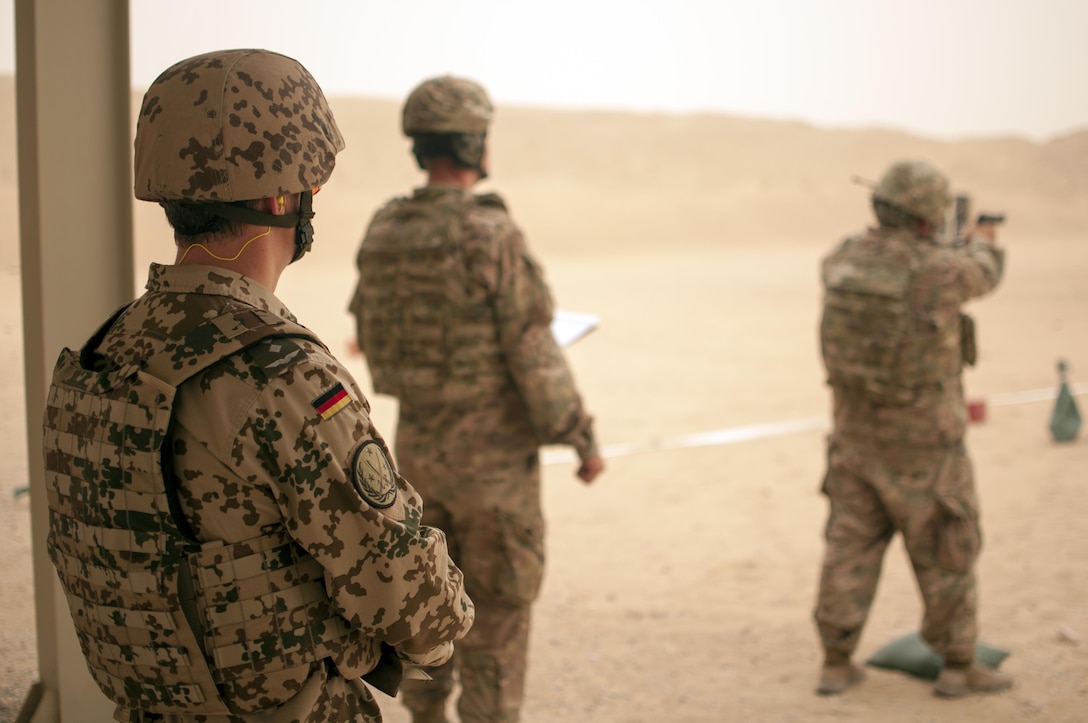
(944, 68)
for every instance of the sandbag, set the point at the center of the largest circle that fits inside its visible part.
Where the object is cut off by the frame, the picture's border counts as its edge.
(1065, 420)
(912, 655)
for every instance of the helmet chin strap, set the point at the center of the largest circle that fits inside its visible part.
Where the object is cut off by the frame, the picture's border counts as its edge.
(300, 220)
(469, 152)
(304, 230)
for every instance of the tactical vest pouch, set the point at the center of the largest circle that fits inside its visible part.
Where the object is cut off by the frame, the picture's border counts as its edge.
(264, 605)
(968, 343)
(159, 618)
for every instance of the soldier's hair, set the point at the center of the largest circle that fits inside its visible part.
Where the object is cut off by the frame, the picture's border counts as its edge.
(464, 149)
(194, 222)
(893, 216)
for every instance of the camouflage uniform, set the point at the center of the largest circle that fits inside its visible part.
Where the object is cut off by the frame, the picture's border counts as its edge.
(893, 341)
(453, 315)
(233, 540)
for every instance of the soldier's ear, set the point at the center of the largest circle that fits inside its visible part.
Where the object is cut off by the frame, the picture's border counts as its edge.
(276, 205)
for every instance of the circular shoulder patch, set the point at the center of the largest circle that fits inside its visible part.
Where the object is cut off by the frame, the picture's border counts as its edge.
(373, 476)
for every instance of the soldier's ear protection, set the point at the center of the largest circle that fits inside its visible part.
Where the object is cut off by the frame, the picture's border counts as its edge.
(279, 202)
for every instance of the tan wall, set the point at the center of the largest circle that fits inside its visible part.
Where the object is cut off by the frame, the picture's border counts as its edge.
(72, 78)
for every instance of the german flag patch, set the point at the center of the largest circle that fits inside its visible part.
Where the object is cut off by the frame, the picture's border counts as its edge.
(332, 401)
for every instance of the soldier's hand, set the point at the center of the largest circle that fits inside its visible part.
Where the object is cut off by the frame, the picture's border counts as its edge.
(987, 231)
(590, 468)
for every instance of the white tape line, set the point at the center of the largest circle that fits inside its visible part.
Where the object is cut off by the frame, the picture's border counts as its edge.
(1033, 395)
(733, 435)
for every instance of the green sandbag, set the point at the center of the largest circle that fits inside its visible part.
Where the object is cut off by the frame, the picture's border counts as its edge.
(912, 655)
(1065, 421)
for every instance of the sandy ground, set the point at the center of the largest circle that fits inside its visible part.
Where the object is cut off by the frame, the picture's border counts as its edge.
(680, 585)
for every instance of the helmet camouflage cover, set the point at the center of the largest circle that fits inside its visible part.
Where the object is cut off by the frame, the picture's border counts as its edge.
(915, 188)
(234, 125)
(446, 105)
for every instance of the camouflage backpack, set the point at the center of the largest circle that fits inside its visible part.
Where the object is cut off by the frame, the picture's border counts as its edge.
(866, 313)
(428, 336)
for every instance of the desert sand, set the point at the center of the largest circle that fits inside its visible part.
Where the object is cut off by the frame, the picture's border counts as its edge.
(680, 585)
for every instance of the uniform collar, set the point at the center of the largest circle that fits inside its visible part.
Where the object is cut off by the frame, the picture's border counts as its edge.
(214, 281)
(435, 190)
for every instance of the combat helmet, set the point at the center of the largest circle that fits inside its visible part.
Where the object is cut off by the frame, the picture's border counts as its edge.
(912, 188)
(448, 116)
(236, 125)
(446, 105)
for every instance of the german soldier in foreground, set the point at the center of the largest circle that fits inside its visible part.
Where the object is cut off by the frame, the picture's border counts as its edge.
(233, 539)
(893, 343)
(453, 314)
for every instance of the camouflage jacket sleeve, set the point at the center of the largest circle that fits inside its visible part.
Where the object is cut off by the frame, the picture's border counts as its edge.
(300, 450)
(952, 275)
(983, 270)
(355, 308)
(356, 303)
(523, 313)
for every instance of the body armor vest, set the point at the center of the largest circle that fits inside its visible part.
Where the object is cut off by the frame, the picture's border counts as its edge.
(428, 330)
(169, 624)
(871, 338)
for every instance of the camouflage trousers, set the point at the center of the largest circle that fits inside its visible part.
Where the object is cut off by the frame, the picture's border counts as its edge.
(491, 664)
(495, 531)
(876, 489)
(491, 659)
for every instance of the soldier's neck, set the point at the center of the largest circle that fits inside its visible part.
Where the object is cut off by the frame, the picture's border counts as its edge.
(262, 257)
(452, 175)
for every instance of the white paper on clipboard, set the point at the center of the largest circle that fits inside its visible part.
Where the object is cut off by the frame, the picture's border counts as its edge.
(570, 326)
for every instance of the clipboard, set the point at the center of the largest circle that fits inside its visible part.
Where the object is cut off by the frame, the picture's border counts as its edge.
(570, 326)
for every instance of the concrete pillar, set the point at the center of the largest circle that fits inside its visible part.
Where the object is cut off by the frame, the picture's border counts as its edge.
(73, 93)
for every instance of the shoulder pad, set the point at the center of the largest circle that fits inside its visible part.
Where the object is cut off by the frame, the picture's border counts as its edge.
(491, 200)
(391, 206)
(276, 355)
(224, 336)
